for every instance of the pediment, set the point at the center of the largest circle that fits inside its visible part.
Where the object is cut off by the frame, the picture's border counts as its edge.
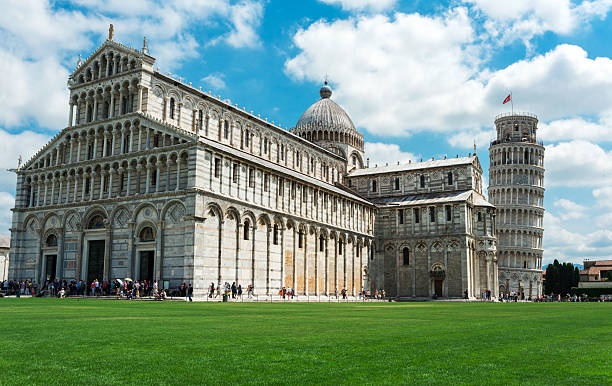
(89, 69)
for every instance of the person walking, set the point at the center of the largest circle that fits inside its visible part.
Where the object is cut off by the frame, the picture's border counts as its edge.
(190, 292)
(234, 290)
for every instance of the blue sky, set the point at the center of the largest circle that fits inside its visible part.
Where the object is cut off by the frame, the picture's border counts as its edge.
(418, 78)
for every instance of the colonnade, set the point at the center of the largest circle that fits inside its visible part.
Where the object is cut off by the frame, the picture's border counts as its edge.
(158, 173)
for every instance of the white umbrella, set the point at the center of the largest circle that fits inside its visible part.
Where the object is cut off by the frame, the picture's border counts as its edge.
(120, 282)
(128, 279)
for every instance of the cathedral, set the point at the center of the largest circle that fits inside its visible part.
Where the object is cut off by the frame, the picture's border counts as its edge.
(154, 179)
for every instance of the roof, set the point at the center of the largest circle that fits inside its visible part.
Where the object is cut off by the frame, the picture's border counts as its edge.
(5, 241)
(325, 114)
(433, 198)
(414, 166)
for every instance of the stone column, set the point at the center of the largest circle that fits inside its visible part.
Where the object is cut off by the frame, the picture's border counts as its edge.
(159, 252)
(131, 139)
(178, 120)
(61, 188)
(95, 146)
(110, 183)
(111, 109)
(112, 138)
(122, 147)
(139, 103)
(148, 174)
(70, 155)
(71, 114)
(76, 186)
(127, 191)
(269, 229)
(157, 177)
(148, 139)
(326, 286)
(102, 178)
(92, 185)
(38, 193)
(107, 249)
(165, 109)
(68, 182)
(94, 114)
(46, 189)
(178, 173)
(31, 202)
(78, 157)
(105, 144)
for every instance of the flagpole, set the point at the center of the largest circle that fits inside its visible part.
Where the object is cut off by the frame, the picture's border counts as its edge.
(512, 102)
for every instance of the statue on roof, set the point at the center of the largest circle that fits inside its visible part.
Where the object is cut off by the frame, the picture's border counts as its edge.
(145, 49)
(111, 32)
(80, 61)
(19, 161)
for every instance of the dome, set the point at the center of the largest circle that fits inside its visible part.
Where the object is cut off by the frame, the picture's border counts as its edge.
(325, 114)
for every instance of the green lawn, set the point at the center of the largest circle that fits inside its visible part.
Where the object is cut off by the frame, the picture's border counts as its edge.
(70, 341)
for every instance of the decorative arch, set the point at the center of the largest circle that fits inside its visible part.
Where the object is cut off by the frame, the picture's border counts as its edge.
(212, 208)
(143, 206)
(173, 211)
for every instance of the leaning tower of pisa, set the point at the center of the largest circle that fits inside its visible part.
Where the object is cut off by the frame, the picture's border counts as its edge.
(516, 188)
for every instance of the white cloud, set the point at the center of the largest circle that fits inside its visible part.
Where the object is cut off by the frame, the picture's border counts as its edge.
(7, 202)
(467, 138)
(24, 144)
(575, 128)
(245, 17)
(409, 73)
(383, 153)
(577, 163)
(395, 75)
(41, 43)
(603, 196)
(573, 246)
(508, 20)
(569, 210)
(362, 5)
(215, 81)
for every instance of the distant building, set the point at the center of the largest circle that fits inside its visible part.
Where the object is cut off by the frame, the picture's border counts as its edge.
(5, 245)
(595, 271)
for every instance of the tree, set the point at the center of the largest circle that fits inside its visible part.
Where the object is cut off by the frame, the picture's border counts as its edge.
(560, 278)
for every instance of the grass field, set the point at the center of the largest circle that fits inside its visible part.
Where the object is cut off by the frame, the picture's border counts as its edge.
(70, 341)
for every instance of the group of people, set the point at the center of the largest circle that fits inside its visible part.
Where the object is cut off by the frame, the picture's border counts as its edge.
(226, 290)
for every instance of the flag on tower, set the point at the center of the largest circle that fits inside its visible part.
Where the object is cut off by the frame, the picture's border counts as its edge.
(508, 98)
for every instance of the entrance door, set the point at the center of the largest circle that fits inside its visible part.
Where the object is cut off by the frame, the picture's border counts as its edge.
(438, 287)
(50, 268)
(146, 265)
(95, 261)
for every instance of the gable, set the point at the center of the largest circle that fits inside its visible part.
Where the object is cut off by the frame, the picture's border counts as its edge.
(109, 59)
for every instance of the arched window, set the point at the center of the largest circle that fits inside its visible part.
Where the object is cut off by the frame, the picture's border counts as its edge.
(245, 230)
(321, 243)
(275, 235)
(406, 256)
(340, 247)
(171, 108)
(422, 181)
(96, 222)
(265, 146)
(374, 185)
(247, 138)
(450, 178)
(51, 241)
(226, 129)
(300, 239)
(397, 183)
(146, 234)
